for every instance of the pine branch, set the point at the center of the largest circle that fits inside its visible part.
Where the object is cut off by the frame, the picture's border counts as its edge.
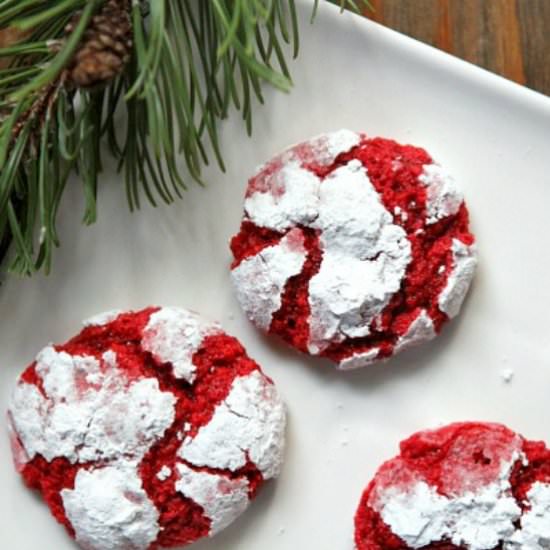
(176, 67)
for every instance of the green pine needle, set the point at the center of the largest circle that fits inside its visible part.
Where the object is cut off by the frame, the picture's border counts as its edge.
(192, 61)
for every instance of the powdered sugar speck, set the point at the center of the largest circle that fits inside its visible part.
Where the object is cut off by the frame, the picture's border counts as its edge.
(164, 473)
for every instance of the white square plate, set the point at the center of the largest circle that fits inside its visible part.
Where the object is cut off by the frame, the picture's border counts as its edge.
(492, 135)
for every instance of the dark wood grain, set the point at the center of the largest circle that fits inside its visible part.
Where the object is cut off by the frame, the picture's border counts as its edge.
(535, 34)
(509, 37)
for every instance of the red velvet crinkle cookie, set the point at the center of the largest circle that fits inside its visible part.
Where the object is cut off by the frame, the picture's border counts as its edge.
(149, 429)
(467, 486)
(352, 248)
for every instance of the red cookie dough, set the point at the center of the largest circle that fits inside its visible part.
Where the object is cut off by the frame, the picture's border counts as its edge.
(352, 248)
(473, 486)
(149, 429)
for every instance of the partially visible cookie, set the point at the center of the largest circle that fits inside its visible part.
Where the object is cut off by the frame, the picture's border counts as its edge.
(471, 486)
(352, 248)
(148, 429)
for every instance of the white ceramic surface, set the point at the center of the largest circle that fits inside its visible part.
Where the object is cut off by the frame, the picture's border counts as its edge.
(492, 135)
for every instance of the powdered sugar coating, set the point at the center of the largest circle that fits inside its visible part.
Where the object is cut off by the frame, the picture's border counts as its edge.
(260, 280)
(289, 196)
(295, 202)
(248, 424)
(109, 509)
(374, 251)
(321, 150)
(463, 268)
(223, 499)
(444, 197)
(19, 454)
(535, 524)
(121, 418)
(335, 144)
(173, 335)
(26, 421)
(96, 425)
(102, 318)
(476, 486)
(420, 330)
(365, 258)
(359, 360)
(479, 519)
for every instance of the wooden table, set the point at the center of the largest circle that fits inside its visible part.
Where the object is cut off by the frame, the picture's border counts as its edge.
(508, 37)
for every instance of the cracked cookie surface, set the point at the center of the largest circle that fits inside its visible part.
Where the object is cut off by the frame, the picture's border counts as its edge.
(465, 486)
(352, 248)
(148, 429)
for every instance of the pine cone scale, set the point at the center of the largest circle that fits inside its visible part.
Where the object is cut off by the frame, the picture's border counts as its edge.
(105, 48)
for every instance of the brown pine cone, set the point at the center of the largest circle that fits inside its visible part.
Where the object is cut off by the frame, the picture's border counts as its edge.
(105, 47)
